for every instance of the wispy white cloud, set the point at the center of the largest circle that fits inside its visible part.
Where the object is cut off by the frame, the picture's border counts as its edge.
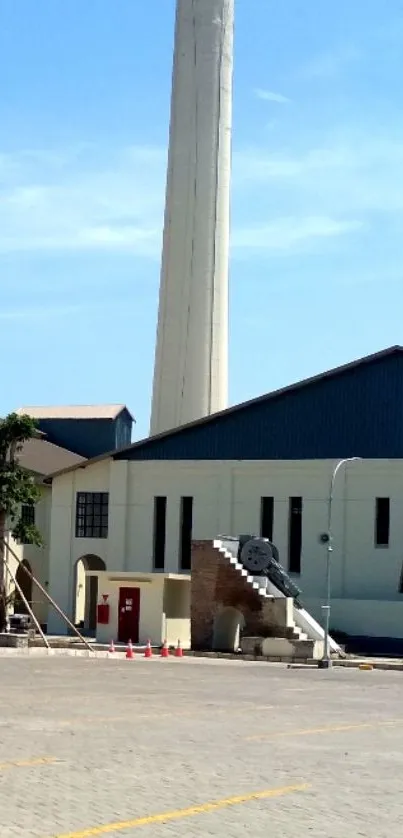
(254, 164)
(353, 183)
(329, 64)
(81, 201)
(349, 174)
(88, 200)
(291, 232)
(270, 96)
(137, 240)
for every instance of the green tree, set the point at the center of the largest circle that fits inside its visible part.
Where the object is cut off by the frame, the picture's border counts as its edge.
(17, 487)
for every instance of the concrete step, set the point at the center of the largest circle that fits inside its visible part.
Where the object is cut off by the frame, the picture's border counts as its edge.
(295, 633)
(282, 648)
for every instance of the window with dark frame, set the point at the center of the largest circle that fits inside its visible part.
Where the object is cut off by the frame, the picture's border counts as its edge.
(92, 513)
(28, 516)
(159, 533)
(294, 534)
(382, 522)
(266, 517)
(186, 526)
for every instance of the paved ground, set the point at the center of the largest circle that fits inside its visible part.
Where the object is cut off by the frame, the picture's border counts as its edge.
(198, 748)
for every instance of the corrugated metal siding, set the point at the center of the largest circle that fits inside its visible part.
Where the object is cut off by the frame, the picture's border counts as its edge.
(123, 430)
(358, 412)
(87, 437)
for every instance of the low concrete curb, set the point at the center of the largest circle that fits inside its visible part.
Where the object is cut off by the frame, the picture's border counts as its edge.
(349, 663)
(395, 665)
(59, 653)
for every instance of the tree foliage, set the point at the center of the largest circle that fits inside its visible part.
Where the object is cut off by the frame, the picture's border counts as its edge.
(17, 488)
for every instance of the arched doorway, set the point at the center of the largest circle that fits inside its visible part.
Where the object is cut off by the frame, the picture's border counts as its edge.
(228, 625)
(86, 592)
(25, 583)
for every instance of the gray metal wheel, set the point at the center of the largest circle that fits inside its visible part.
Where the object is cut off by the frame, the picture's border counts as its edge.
(256, 555)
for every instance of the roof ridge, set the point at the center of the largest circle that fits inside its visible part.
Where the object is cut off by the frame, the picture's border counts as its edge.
(74, 404)
(213, 417)
(101, 410)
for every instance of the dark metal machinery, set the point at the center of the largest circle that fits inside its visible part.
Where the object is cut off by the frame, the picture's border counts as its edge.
(260, 557)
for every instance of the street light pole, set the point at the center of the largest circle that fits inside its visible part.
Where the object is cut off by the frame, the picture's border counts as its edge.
(326, 661)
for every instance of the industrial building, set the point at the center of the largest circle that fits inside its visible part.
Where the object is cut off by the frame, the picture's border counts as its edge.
(123, 522)
(260, 467)
(65, 436)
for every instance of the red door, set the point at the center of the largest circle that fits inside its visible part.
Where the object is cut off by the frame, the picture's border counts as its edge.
(129, 613)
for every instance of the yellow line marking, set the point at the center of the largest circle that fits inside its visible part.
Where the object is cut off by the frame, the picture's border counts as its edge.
(179, 814)
(27, 763)
(330, 729)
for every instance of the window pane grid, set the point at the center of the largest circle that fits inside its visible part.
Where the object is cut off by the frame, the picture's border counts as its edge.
(92, 514)
(28, 514)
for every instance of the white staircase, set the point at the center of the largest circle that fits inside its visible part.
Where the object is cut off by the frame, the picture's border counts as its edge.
(302, 627)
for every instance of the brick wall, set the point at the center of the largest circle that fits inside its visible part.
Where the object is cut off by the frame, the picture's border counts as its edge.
(216, 584)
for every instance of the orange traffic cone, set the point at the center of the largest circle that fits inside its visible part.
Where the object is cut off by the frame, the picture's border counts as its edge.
(111, 648)
(165, 650)
(148, 652)
(129, 651)
(179, 650)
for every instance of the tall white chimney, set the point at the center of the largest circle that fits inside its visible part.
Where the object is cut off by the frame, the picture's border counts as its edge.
(191, 359)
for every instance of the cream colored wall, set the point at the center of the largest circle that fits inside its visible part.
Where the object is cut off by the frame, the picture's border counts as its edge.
(173, 480)
(175, 630)
(151, 607)
(164, 609)
(176, 615)
(65, 548)
(376, 618)
(227, 500)
(38, 557)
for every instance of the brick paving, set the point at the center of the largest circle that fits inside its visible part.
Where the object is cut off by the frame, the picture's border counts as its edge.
(85, 743)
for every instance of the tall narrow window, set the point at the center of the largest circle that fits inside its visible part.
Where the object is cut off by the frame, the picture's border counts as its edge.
(28, 516)
(186, 523)
(160, 518)
(266, 517)
(294, 535)
(382, 522)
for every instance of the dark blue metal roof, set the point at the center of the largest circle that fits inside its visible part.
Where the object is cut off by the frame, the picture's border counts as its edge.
(89, 437)
(354, 410)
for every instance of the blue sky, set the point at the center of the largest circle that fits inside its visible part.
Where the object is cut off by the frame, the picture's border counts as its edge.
(317, 194)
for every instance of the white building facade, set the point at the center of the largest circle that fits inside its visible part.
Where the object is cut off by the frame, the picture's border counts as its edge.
(36, 559)
(263, 467)
(233, 498)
